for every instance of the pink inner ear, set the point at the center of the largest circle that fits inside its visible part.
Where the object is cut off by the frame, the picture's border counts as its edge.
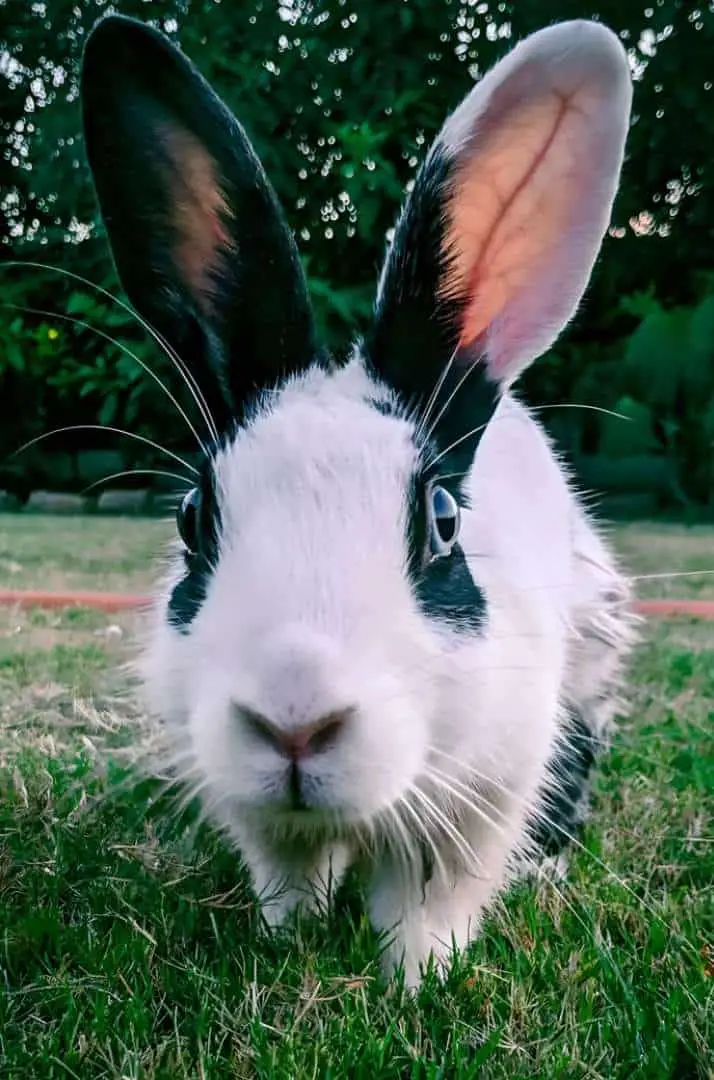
(198, 212)
(514, 215)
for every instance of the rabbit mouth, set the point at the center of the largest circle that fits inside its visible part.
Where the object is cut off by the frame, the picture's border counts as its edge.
(296, 794)
(299, 791)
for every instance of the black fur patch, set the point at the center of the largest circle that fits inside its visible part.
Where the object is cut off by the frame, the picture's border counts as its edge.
(188, 595)
(444, 587)
(446, 591)
(564, 797)
(385, 406)
(416, 328)
(414, 332)
(203, 249)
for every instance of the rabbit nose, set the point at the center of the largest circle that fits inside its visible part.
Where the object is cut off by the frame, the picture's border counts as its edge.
(300, 742)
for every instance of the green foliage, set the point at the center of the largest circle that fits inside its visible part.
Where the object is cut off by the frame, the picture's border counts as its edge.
(341, 100)
(668, 366)
(85, 360)
(648, 391)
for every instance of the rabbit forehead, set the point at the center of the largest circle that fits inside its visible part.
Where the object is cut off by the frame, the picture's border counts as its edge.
(313, 498)
(329, 434)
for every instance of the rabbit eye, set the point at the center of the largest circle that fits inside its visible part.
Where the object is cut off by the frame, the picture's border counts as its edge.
(445, 520)
(187, 519)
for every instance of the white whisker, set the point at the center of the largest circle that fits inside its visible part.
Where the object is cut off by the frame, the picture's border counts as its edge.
(457, 442)
(114, 431)
(189, 378)
(446, 826)
(579, 405)
(433, 849)
(127, 352)
(532, 807)
(434, 395)
(469, 370)
(136, 472)
(672, 574)
(452, 475)
(464, 794)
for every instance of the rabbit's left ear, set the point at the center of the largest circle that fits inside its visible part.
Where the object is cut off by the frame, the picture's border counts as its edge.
(199, 240)
(498, 238)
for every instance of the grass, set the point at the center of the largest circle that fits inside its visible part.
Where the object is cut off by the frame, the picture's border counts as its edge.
(68, 552)
(680, 560)
(130, 950)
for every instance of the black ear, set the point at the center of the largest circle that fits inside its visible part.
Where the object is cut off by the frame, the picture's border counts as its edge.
(198, 237)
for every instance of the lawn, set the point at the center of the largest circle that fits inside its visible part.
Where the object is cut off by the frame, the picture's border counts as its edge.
(130, 947)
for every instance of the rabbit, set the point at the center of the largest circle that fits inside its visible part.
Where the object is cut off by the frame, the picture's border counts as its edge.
(389, 634)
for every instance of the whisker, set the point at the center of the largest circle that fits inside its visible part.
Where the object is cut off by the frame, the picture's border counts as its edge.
(123, 348)
(431, 844)
(523, 854)
(452, 475)
(526, 857)
(481, 427)
(534, 808)
(452, 395)
(136, 472)
(457, 442)
(113, 430)
(190, 794)
(182, 798)
(580, 405)
(672, 574)
(189, 378)
(451, 785)
(434, 395)
(449, 828)
(388, 829)
(625, 745)
(586, 557)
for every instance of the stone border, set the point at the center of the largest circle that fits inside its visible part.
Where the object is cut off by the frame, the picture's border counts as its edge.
(73, 482)
(140, 502)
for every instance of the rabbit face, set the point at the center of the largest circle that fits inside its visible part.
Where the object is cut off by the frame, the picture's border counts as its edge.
(309, 630)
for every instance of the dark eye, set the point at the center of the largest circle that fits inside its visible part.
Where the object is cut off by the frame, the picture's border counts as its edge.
(187, 519)
(445, 518)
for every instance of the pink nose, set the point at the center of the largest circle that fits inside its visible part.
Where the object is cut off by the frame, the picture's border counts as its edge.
(297, 743)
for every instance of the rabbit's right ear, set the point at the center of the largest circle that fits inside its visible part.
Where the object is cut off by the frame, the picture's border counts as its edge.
(198, 237)
(498, 237)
